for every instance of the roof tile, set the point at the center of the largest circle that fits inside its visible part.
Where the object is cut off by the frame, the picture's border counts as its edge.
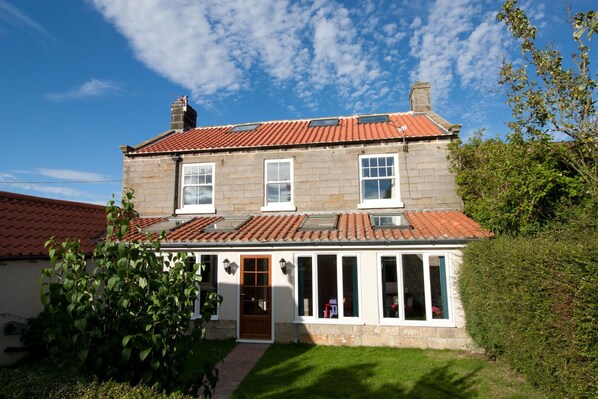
(289, 133)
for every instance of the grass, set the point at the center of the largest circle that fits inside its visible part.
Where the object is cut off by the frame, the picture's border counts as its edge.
(206, 355)
(302, 371)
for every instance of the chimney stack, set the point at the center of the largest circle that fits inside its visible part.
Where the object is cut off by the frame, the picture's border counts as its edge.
(183, 116)
(419, 97)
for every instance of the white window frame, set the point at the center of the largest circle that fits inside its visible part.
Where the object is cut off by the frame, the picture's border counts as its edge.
(278, 206)
(430, 321)
(196, 304)
(314, 318)
(198, 208)
(395, 200)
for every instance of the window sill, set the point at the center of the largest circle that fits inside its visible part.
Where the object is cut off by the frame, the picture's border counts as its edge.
(279, 208)
(380, 204)
(355, 322)
(196, 209)
(418, 323)
(198, 317)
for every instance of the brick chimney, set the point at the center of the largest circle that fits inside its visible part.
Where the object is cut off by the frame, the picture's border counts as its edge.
(419, 97)
(183, 116)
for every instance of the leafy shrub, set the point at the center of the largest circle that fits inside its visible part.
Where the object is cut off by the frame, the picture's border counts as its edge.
(27, 382)
(128, 318)
(533, 301)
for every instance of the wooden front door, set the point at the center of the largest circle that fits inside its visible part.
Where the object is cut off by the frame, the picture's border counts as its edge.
(256, 298)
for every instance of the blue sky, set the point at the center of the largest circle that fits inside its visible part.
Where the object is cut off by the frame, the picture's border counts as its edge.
(80, 78)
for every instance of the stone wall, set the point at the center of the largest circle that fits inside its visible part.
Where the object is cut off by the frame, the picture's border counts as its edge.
(326, 179)
(358, 335)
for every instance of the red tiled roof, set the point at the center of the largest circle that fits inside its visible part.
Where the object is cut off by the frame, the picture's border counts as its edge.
(27, 222)
(297, 132)
(353, 227)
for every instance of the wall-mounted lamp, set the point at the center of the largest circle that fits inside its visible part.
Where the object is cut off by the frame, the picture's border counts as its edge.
(283, 265)
(227, 266)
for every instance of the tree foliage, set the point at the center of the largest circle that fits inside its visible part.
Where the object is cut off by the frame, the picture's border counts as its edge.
(551, 97)
(128, 318)
(513, 187)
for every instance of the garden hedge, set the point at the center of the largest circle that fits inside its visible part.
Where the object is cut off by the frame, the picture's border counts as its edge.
(534, 302)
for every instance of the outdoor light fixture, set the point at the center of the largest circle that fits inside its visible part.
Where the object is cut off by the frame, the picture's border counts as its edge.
(283, 265)
(226, 264)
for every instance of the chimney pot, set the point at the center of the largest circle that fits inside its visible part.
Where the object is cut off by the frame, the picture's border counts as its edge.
(419, 97)
(183, 116)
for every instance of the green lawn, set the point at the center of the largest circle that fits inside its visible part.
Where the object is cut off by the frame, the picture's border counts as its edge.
(302, 371)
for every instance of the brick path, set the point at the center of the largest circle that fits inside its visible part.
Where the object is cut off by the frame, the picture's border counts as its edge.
(235, 366)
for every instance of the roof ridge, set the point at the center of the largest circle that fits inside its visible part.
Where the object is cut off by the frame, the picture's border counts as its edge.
(32, 198)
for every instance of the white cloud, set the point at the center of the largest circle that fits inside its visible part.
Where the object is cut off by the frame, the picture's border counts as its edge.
(75, 175)
(15, 17)
(458, 44)
(92, 88)
(212, 48)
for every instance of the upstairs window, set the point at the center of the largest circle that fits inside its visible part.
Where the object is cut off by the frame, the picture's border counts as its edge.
(324, 122)
(197, 191)
(373, 119)
(278, 185)
(379, 181)
(244, 128)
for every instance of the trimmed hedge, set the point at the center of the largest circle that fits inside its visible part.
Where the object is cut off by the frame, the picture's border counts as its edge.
(36, 382)
(534, 302)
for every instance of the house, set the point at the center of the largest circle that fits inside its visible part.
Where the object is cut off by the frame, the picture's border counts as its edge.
(26, 223)
(339, 231)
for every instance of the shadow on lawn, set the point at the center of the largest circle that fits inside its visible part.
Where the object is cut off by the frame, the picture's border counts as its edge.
(352, 382)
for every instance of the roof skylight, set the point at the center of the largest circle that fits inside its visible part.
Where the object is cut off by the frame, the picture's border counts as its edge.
(397, 220)
(245, 128)
(319, 222)
(373, 119)
(227, 224)
(166, 226)
(324, 122)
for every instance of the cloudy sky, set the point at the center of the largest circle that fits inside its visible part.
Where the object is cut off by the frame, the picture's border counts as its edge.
(80, 78)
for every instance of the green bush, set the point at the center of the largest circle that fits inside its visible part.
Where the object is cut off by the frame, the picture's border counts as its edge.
(534, 302)
(128, 319)
(27, 382)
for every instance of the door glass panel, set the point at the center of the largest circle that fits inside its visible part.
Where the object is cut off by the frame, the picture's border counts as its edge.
(327, 287)
(390, 288)
(413, 287)
(262, 265)
(350, 295)
(304, 277)
(438, 287)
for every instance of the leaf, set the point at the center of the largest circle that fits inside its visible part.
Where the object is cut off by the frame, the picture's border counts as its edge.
(80, 324)
(125, 355)
(142, 282)
(112, 281)
(144, 353)
(126, 340)
(82, 354)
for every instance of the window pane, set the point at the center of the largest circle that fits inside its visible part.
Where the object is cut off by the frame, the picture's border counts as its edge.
(327, 287)
(272, 171)
(350, 293)
(413, 287)
(204, 195)
(306, 301)
(370, 189)
(438, 287)
(191, 195)
(390, 288)
(284, 171)
(385, 188)
(209, 272)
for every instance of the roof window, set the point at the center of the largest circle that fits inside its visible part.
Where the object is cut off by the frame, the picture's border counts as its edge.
(228, 224)
(166, 225)
(245, 128)
(324, 122)
(373, 119)
(397, 220)
(319, 222)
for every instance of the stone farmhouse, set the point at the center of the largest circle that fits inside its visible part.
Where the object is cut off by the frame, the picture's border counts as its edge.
(337, 231)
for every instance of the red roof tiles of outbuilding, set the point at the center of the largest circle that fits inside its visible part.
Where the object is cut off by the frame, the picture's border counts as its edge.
(351, 227)
(292, 133)
(27, 222)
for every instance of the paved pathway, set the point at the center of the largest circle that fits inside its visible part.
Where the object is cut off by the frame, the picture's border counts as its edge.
(235, 366)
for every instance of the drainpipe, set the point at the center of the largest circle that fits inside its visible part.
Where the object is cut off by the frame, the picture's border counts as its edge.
(177, 160)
